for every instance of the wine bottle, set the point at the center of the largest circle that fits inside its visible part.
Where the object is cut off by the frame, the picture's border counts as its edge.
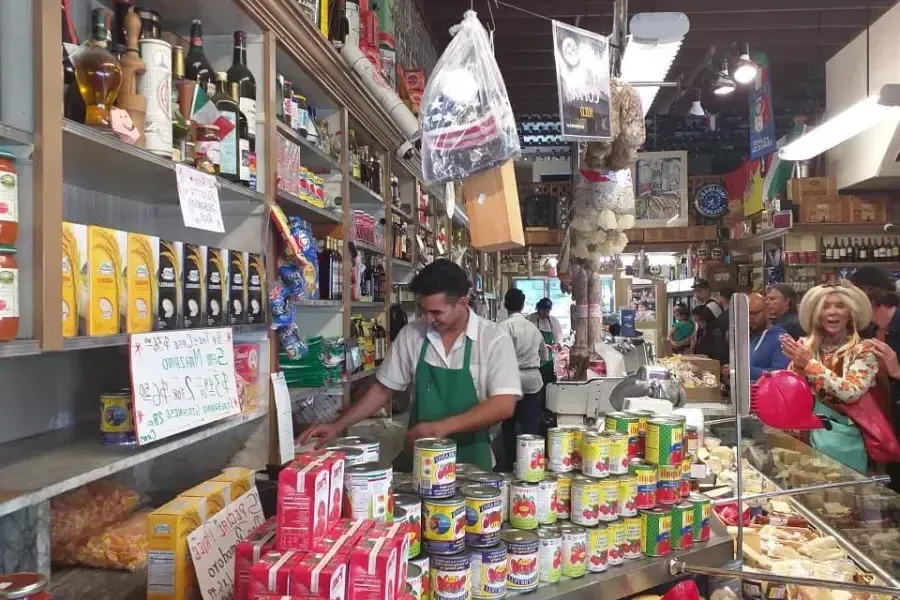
(229, 144)
(199, 68)
(243, 132)
(240, 74)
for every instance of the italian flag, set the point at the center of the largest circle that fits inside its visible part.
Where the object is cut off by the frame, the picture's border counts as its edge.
(204, 112)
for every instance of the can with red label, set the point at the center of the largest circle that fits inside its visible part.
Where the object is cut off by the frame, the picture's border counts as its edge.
(616, 542)
(627, 495)
(632, 546)
(609, 499)
(646, 483)
(702, 512)
(668, 484)
(618, 453)
(598, 548)
(682, 526)
(685, 484)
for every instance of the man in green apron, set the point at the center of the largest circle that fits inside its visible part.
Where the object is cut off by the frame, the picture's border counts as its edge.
(552, 333)
(463, 368)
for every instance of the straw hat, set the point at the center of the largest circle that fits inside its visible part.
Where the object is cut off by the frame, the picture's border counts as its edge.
(855, 299)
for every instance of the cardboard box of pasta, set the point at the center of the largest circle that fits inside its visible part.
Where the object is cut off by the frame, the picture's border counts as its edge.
(216, 493)
(106, 258)
(216, 287)
(169, 292)
(242, 480)
(170, 572)
(139, 310)
(74, 283)
(194, 286)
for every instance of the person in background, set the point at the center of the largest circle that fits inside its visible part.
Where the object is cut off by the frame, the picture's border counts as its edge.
(781, 301)
(838, 365)
(551, 330)
(531, 351)
(703, 297)
(725, 295)
(710, 340)
(680, 335)
(765, 340)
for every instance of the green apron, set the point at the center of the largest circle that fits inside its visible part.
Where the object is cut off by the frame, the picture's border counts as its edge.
(441, 393)
(548, 372)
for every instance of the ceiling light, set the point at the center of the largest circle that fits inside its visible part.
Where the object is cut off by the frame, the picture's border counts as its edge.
(745, 70)
(724, 84)
(860, 117)
(651, 49)
(696, 107)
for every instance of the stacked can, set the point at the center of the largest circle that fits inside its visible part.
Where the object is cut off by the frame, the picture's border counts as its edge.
(522, 560)
(629, 425)
(665, 449)
(533, 496)
(643, 417)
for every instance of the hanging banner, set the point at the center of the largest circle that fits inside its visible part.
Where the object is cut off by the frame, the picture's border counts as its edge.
(763, 138)
(582, 81)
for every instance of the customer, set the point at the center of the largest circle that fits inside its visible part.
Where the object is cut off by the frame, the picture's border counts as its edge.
(765, 340)
(531, 351)
(725, 295)
(710, 340)
(782, 303)
(551, 331)
(839, 366)
(682, 331)
(703, 296)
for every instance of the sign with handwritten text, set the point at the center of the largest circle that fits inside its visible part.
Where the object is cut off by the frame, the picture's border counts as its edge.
(212, 545)
(198, 194)
(181, 380)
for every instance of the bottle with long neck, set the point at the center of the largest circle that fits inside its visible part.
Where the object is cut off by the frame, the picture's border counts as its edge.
(199, 68)
(98, 73)
(228, 108)
(73, 103)
(240, 74)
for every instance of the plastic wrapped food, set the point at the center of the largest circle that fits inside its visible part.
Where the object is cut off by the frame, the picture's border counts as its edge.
(75, 514)
(467, 121)
(122, 546)
(281, 307)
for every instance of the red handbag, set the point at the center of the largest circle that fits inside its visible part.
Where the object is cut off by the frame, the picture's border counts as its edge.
(878, 434)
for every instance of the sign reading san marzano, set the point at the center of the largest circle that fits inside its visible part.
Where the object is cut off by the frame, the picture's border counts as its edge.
(181, 380)
(582, 80)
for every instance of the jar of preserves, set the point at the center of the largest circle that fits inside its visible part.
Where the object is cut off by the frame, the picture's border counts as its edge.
(23, 586)
(9, 294)
(207, 149)
(9, 199)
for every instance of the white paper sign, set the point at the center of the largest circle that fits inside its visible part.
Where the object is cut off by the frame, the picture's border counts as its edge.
(198, 194)
(212, 545)
(284, 417)
(181, 380)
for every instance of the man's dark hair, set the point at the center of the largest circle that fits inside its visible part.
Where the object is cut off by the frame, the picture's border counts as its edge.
(514, 301)
(878, 284)
(705, 315)
(786, 290)
(544, 304)
(441, 277)
(682, 310)
(726, 293)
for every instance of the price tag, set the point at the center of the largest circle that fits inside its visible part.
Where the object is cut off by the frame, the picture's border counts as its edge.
(284, 416)
(212, 545)
(181, 380)
(198, 194)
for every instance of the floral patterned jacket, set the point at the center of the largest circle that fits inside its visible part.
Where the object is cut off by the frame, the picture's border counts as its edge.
(841, 383)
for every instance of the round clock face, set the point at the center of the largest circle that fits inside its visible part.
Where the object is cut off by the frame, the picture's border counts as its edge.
(711, 200)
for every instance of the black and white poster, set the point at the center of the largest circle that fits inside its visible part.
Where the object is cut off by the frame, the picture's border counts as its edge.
(582, 81)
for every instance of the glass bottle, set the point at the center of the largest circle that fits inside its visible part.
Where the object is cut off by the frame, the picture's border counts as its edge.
(199, 68)
(243, 133)
(325, 284)
(240, 74)
(287, 100)
(354, 156)
(98, 73)
(374, 173)
(227, 107)
(895, 250)
(73, 103)
(182, 92)
(302, 116)
(863, 251)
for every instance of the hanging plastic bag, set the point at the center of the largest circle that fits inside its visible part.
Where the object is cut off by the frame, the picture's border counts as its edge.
(467, 121)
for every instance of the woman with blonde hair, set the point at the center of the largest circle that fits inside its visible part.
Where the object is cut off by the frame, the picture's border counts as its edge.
(839, 365)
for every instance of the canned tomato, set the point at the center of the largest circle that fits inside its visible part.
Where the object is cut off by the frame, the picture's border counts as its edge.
(598, 548)
(684, 486)
(681, 421)
(618, 453)
(578, 432)
(434, 467)
(451, 577)
(616, 543)
(549, 555)
(368, 445)
(632, 546)
(444, 525)
(368, 492)
(523, 505)
(663, 442)
(522, 560)
(530, 458)
(691, 442)
(482, 515)
(586, 498)
(505, 486)
(656, 525)
(491, 479)
(668, 484)
(465, 470)
(560, 447)
(609, 499)
(422, 562)
(702, 511)
(546, 501)
(414, 581)
(563, 495)
(489, 572)
(596, 454)
(627, 495)
(682, 527)
(413, 507)
(643, 417)
(574, 550)
(356, 456)
(624, 423)
(646, 483)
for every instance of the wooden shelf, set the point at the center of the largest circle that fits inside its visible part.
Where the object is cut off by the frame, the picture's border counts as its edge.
(844, 265)
(292, 205)
(369, 247)
(363, 198)
(312, 156)
(87, 342)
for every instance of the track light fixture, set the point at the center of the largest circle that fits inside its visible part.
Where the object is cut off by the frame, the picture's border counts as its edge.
(696, 107)
(745, 70)
(724, 84)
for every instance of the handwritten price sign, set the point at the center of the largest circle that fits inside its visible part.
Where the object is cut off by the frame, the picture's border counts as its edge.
(181, 380)
(198, 194)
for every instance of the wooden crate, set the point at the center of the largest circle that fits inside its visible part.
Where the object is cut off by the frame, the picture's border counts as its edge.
(546, 237)
(866, 209)
(823, 209)
(807, 188)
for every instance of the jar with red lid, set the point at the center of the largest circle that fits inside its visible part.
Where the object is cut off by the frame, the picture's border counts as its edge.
(9, 199)
(24, 586)
(9, 294)
(207, 149)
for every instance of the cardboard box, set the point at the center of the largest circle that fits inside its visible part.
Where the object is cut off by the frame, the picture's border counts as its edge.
(344, 534)
(704, 365)
(303, 495)
(242, 480)
(372, 570)
(799, 190)
(168, 303)
(822, 209)
(272, 573)
(74, 269)
(216, 287)
(107, 257)
(324, 575)
(170, 571)
(867, 209)
(216, 493)
(139, 311)
(247, 553)
(492, 205)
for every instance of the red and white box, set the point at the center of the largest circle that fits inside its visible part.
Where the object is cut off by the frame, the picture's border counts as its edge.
(397, 535)
(324, 575)
(273, 572)
(274, 596)
(334, 461)
(344, 534)
(247, 553)
(303, 495)
(372, 572)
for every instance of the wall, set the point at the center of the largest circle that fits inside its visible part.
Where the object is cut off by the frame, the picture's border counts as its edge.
(415, 48)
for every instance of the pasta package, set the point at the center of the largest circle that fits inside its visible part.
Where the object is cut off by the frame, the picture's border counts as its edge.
(168, 314)
(74, 282)
(121, 546)
(216, 286)
(193, 285)
(139, 310)
(106, 279)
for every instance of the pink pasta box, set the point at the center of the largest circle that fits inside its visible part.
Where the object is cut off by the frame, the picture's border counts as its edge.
(303, 495)
(334, 461)
(372, 570)
(324, 575)
(272, 573)
(247, 553)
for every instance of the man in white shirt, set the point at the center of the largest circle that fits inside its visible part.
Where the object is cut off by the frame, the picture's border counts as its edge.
(703, 297)
(463, 368)
(531, 351)
(551, 331)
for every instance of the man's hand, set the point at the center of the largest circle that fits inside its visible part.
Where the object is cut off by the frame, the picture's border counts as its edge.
(888, 358)
(323, 433)
(426, 430)
(795, 351)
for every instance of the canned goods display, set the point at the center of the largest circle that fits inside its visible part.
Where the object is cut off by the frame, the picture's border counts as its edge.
(681, 421)
(563, 495)
(616, 543)
(635, 447)
(368, 445)
(560, 447)
(488, 567)
(464, 470)
(434, 467)
(578, 432)
(684, 487)
(663, 442)
(505, 486)
(627, 495)
(451, 577)
(368, 492)
(491, 479)
(116, 420)
(681, 529)
(624, 423)
(656, 525)
(598, 544)
(444, 525)
(414, 581)
(357, 456)
(586, 497)
(546, 501)
(522, 560)
(632, 546)
(549, 555)
(646, 483)
(530, 459)
(702, 511)
(404, 488)
(423, 563)
(609, 499)
(413, 507)
(618, 454)
(574, 550)
(643, 417)
(482, 515)
(523, 498)
(668, 484)
(596, 454)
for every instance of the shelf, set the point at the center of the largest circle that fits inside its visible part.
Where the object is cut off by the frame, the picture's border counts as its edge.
(11, 135)
(402, 264)
(80, 582)
(19, 348)
(294, 206)
(313, 158)
(842, 265)
(87, 342)
(399, 211)
(850, 229)
(329, 304)
(96, 161)
(43, 466)
(367, 246)
(361, 375)
(362, 198)
(759, 238)
(362, 305)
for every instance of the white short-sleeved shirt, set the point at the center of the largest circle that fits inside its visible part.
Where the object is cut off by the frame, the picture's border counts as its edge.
(550, 324)
(531, 350)
(493, 363)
